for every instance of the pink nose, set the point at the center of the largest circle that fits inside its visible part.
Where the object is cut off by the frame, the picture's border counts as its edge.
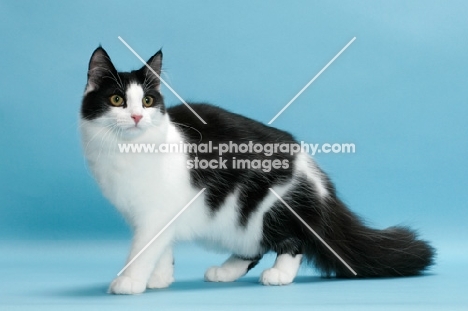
(136, 118)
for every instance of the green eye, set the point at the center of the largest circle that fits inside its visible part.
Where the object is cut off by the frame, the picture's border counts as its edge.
(116, 100)
(147, 101)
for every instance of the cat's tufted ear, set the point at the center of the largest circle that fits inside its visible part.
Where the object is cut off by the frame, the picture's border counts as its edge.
(155, 63)
(100, 66)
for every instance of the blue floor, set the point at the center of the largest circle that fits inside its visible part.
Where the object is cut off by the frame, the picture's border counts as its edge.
(74, 275)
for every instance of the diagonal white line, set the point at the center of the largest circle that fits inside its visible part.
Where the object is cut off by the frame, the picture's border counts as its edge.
(311, 81)
(160, 232)
(312, 230)
(161, 79)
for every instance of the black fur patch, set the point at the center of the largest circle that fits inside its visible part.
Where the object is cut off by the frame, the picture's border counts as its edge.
(253, 261)
(224, 127)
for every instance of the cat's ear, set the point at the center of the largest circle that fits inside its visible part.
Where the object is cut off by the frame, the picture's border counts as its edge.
(155, 63)
(100, 65)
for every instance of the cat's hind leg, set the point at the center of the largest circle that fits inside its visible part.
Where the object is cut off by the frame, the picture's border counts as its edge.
(283, 271)
(232, 269)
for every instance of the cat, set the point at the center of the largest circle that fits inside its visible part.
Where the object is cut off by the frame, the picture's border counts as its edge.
(236, 211)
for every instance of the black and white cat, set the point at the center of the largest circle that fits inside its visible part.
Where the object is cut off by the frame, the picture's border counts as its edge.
(236, 212)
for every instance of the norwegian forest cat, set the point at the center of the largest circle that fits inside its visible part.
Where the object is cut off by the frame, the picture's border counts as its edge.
(238, 211)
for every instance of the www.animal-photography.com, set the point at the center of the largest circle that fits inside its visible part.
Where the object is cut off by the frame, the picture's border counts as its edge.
(217, 155)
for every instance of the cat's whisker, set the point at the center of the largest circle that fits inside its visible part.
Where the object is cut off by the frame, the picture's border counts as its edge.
(144, 81)
(87, 145)
(151, 84)
(95, 135)
(121, 83)
(108, 136)
(166, 75)
(112, 77)
(190, 127)
(119, 135)
(114, 144)
(187, 126)
(108, 132)
(111, 143)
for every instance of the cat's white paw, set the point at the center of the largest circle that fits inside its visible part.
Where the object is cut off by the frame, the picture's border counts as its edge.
(274, 276)
(124, 285)
(220, 274)
(160, 280)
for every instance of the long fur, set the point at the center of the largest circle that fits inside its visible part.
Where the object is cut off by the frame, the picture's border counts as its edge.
(237, 212)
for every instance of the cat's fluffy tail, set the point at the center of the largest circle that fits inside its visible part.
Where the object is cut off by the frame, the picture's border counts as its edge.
(395, 251)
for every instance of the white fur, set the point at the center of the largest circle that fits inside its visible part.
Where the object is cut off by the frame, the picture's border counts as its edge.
(89, 88)
(305, 164)
(125, 285)
(230, 270)
(163, 273)
(149, 189)
(160, 184)
(134, 97)
(222, 232)
(283, 272)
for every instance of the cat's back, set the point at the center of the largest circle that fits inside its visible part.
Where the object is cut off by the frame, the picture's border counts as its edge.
(222, 125)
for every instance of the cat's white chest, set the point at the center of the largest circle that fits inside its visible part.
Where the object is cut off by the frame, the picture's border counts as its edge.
(142, 184)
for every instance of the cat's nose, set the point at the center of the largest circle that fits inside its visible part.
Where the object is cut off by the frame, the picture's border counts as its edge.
(136, 118)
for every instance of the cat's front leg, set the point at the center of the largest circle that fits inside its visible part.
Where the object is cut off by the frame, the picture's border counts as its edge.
(163, 273)
(134, 279)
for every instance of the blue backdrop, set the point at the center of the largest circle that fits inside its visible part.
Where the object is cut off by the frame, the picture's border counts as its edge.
(399, 92)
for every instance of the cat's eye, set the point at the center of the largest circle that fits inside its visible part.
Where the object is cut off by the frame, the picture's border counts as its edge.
(116, 100)
(147, 101)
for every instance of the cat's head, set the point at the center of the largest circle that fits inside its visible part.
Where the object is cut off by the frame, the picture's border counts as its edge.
(127, 102)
